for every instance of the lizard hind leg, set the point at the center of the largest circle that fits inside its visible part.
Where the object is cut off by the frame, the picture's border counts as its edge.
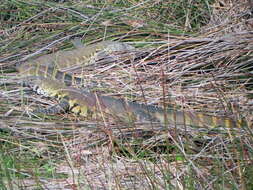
(61, 107)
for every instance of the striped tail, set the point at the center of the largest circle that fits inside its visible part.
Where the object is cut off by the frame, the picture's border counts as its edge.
(181, 118)
(204, 120)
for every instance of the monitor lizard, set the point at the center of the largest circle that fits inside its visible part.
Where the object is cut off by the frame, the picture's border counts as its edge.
(44, 76)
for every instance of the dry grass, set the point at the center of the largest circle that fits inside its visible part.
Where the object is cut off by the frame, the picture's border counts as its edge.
(208, 73)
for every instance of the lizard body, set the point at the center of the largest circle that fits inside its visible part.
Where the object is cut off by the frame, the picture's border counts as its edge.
(88, 104)
(44, 75)
(49, 66)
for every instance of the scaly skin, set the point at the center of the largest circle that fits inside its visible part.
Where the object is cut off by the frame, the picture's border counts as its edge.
(44, 76)
(89, 104)
(49, 65)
